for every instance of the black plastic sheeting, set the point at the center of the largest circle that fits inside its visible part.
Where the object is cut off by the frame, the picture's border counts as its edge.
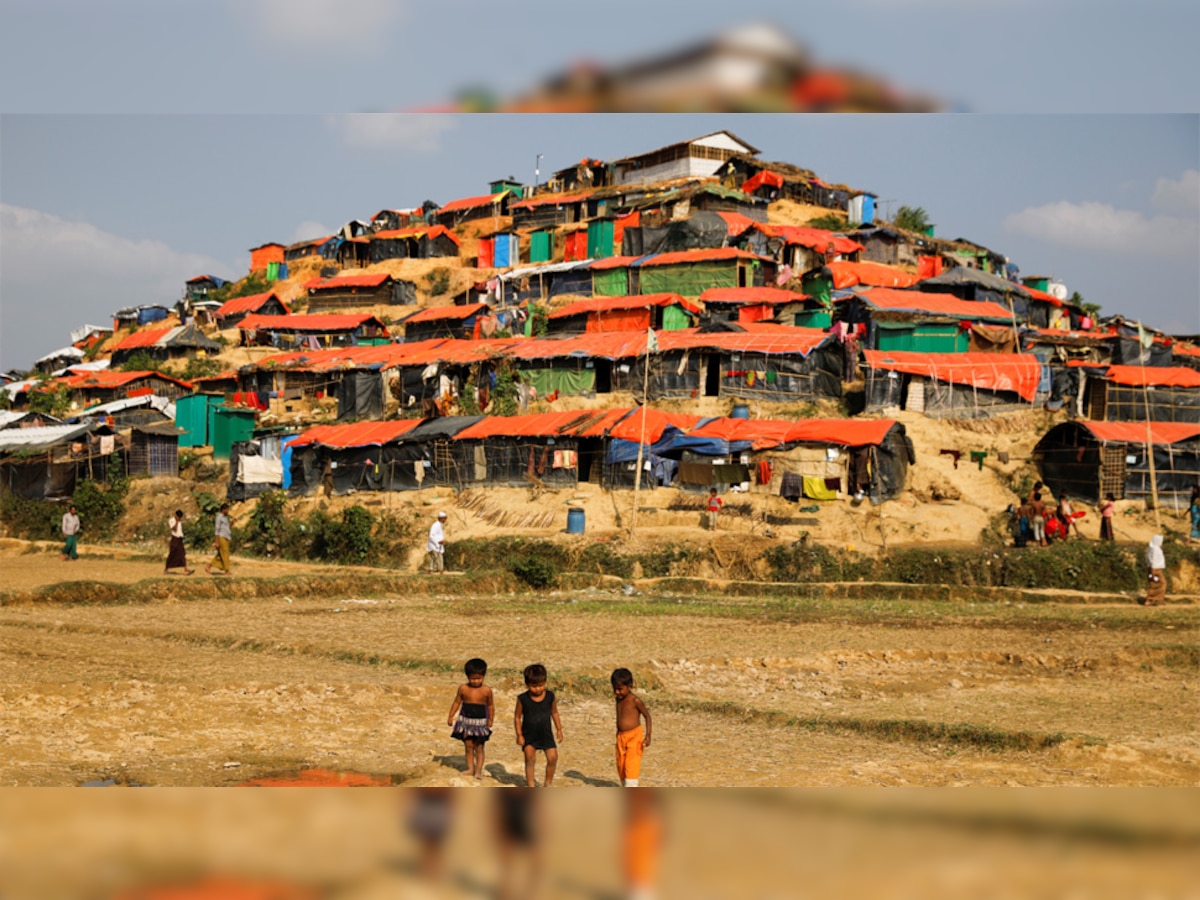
(701, 230)
(940, 397)
(1126, 403)
(1128, 351)
(1070, 460)
(39, 480)
(517, 461)
(814, 377)
(392, 467)
(360, 396)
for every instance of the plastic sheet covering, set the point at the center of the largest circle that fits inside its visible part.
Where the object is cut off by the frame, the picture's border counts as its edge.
(572, 381)
(259, 470)
(1126, 403)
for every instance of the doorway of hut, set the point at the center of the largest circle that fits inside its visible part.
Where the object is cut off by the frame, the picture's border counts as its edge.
(712, 375)
(603, 376)
(590, 460)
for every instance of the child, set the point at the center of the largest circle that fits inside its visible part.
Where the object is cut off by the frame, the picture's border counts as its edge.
(1106, 517)
(714, 507)
(536, 709)
(630, 742)
(1037, 518)
(474, 724)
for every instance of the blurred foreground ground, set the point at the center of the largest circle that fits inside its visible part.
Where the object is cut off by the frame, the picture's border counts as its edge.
(125, 843)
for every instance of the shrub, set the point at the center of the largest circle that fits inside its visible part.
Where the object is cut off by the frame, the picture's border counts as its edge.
(535, 571)
(438, 280)
(34, 520)
(349, 541)
(100, 509)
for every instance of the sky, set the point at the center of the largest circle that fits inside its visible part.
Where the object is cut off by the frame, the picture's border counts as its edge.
(99, 212)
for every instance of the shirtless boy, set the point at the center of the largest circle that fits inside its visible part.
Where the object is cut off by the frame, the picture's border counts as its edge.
(631, 740)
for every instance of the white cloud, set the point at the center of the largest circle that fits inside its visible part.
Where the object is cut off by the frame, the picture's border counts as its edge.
(307, 231)
(322, 24)
(418, 132)
(1178, 196)
(58, 274)
(1099, 226)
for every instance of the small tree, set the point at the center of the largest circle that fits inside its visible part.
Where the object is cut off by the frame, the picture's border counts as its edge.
(49, 400)
(539, 318)
(1092, 309)
(141, 361)
(912, 218)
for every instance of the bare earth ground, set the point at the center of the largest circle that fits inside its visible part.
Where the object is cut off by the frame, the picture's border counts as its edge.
(744, 693)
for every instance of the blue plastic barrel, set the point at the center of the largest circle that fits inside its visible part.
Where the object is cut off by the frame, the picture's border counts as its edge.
(740, 411)
(575, 520)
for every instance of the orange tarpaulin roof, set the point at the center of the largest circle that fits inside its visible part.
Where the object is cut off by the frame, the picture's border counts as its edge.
(632, 301)
(314, 322)
(249, 303)
(437, 313)
(791, 340)
(656, 422)
(751, 295)
(680, 257)
(547, 200)
(106, 378)
(888, 299)
(1135, 432)
(147, 338)
(358, 434)
(815, 239)
(1153, 376)
(548, 424)
(473, 202)
(737, 223)
(1018, 372)
(598, 345)
(613, 262)
(766, 433)
(344, 281)
(848, 274)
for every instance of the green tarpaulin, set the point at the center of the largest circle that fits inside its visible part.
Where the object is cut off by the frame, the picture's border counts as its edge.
(690, 280)
(565, 381)
(611, 282)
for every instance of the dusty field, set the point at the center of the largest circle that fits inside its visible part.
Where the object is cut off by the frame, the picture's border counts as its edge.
(183, 691)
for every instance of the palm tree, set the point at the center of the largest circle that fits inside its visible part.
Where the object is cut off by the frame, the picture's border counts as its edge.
(912, 218)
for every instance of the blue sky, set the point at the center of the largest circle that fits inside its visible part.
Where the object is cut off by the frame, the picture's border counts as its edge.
(103, 211)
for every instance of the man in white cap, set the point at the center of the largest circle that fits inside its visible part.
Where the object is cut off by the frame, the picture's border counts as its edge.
(436, 546)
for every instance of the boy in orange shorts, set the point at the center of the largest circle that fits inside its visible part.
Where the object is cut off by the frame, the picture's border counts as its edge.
(631, 740)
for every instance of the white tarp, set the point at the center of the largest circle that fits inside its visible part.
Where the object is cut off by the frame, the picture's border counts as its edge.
(257, 470)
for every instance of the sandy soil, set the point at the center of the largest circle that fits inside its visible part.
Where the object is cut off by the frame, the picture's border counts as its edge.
(212, 692)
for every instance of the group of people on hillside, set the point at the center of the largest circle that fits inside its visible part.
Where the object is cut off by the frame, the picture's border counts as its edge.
(1034, 520)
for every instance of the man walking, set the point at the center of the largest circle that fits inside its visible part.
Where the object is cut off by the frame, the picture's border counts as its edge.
(222, 535)
(70, 532)
(435, 548)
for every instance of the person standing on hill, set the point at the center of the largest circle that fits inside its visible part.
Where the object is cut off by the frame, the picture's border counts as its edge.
(1037, 518)
(714, 508)
(222, 536)
(70, 533)
(1106, 517)
(435, 547)
(176, 552)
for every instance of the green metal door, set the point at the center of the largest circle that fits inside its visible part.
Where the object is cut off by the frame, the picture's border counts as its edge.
(229, 427)
(541, 246)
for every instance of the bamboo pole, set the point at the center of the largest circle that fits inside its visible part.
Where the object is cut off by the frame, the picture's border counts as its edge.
(1143, 352)
(637, 475)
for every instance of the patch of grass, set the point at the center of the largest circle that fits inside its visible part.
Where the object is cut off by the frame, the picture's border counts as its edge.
(919, 731)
